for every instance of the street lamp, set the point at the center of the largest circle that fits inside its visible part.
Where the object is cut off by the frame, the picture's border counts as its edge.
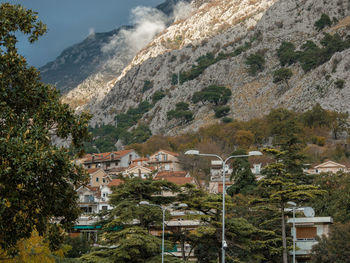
(294, 230)
(163, 221)
(196, 152)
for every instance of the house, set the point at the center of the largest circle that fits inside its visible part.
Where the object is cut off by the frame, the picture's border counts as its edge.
(165, 161)
(307, 229)
(110, 160)
(136, 170)
(216, 171)
(327, 167)
(140, 161)
(98, 177)
(88, 199)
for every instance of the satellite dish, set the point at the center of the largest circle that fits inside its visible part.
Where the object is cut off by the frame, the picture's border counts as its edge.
(309, 212)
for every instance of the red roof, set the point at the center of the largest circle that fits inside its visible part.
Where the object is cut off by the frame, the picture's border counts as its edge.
(93, 170)
(144, 159)
(166, 174)
(115, 182)
(178, 180)
(106, 156)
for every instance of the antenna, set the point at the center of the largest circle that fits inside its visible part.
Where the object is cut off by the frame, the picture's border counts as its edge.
(309, 212)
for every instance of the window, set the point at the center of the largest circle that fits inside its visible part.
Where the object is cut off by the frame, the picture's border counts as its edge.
(104, 207)
(107, 165)
(89, 166)
(257, 168)
(306, 232)
(165, 157)
(103, 180)
(167, 167)
(97, 179)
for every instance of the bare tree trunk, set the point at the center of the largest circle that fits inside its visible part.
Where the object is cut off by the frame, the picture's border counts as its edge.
(284, 239)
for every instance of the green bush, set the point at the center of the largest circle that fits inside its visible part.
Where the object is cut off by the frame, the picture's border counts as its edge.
(147, 85)
(339, 83)
(158, 95)
(181, 112)
(221, 111)
(226, 120)
(319, 140)
(286, 53)
(282, 74)
(213, 94)
(323, 22)
(174, 79)
(255, 63)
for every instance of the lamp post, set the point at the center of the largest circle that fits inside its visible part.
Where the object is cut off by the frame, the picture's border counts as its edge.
(294, 230)
(196, 152)
(163, 221)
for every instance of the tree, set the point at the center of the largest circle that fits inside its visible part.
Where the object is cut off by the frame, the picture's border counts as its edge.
(282, 183)
(221, 111)
(335, 248)
(37, 177)
(282, 75)
(338, 123)
(323, 22)
(126, 226)
(244, 179)
(213, 94)
(286, 53)
(255, 63)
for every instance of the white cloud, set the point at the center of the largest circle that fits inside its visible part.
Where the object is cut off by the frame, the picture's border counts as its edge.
(182, 10)
(91, 32)
(147, 21)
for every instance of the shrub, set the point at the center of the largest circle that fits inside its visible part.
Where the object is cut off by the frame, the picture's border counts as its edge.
(339, 83)
(147, 85)
(221, 111)
(286, 53)
(323, 22)
(282, 74)
(226, 120)
(255, 62)
(213, 94)
(319, 140)
(174, 79)
(158, 95)
(181, 112)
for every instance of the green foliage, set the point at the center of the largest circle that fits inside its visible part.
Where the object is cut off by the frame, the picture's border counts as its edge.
(147, 84)
(221, 111)
(158, 95)
(336, 201)
(226, 120)
(323, 22)
(134, 243)
(174, 79)
(282, 74)
(138, 135)
(202, 63)
(181, 112)
(334, 248)
(316, 117)
(339, 83)
(255, 62)
(242, 175)
(32, 168)
(80, 246)
(286, 53)
(214, 94)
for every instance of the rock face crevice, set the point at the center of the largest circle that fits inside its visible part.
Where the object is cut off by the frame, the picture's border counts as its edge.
(224, 26)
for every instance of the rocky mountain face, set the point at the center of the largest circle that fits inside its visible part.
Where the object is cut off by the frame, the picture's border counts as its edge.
(232, 32)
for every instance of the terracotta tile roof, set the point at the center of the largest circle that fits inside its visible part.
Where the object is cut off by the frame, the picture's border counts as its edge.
(178, 180)
(143, 159)
(93, 170)
(115, 182)
(106, 156)
(166, 174)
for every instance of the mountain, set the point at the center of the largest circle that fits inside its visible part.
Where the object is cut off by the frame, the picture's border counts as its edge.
(234, 44)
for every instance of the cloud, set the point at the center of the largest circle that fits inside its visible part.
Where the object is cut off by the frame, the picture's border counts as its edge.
(147, 21)
(91, 32)
(182, 10)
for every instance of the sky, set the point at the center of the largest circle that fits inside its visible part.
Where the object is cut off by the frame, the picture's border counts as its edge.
(71, 21)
